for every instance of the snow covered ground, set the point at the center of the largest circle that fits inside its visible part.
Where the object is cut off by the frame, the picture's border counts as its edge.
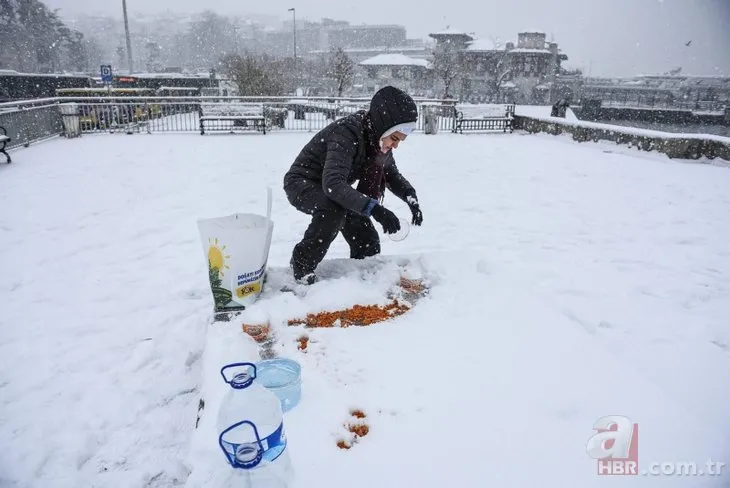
(569, 282)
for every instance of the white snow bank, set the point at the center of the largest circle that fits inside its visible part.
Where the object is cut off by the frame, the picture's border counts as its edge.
(489, 365)
(542, 111)
(572, 121)
(225, 344)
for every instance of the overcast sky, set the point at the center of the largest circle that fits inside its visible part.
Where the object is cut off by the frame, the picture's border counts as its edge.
(605, 37)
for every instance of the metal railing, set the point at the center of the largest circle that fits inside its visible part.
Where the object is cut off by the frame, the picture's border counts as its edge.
(30, 121)
(708, 107)
(183, 114)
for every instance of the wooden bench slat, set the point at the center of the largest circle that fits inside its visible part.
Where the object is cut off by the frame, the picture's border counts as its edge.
(499, 123)
(259, 121)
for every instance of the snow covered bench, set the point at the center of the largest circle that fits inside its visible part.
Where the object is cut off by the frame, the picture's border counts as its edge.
(4, 139)
(254, 121)
(231, 116)
(488, 123)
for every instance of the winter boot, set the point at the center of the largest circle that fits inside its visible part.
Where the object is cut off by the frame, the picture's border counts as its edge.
(308, 279)
(300, 275)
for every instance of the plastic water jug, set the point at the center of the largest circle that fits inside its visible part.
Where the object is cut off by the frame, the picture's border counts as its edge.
(251, 425)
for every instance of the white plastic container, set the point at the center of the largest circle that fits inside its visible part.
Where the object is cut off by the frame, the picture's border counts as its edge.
(237, 250)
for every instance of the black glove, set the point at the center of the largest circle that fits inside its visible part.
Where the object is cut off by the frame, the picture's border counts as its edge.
(387, 219)
(412, 202)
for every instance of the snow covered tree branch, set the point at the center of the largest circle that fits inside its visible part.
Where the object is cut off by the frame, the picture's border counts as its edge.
(448, 66)
(252, 76)
(341, 69)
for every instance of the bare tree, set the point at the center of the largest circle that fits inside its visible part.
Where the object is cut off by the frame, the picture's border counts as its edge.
(341, 69)
(448, 65)
(252, 76)
(500, 68)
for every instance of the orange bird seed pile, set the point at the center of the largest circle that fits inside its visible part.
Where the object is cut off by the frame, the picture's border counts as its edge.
(356, 315)
(412, 286)
(357, 413)
(259, 332)
(358, 429)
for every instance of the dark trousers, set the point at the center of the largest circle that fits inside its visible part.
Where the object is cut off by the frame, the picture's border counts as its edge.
(328, 220)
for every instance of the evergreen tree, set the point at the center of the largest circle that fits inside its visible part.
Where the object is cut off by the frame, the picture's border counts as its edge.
(34, 39)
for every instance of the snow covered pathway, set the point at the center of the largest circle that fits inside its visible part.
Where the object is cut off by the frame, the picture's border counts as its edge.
(569, 282)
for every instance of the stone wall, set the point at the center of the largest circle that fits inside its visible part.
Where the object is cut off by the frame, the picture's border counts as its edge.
(680, 146)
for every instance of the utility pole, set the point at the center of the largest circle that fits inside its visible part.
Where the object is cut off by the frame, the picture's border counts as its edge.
(294, 23)
(235, 38)
(129, 41)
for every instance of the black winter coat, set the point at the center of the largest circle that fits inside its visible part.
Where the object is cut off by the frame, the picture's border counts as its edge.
(335, 157)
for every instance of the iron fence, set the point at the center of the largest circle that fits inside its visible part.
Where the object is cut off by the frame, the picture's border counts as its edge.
(30, 121)
(185, 114)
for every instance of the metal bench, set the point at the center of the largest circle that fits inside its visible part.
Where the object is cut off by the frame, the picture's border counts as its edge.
(4, 139)
(257, 122)
(489, 123)
(232, 117)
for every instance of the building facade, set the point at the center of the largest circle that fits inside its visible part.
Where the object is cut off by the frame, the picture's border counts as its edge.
(528, 72)
(669, 90)
(314, 39)
(414, 75)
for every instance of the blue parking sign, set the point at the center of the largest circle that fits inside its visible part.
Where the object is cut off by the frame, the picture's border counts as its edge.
(106, 73)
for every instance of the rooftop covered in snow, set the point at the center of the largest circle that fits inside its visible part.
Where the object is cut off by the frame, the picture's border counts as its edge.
(11, 72)
(482, 44)
(527, 50)
(449, 32)
(394, 59)
(377, 49)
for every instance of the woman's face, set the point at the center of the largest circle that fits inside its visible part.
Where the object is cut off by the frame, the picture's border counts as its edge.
(392, 141)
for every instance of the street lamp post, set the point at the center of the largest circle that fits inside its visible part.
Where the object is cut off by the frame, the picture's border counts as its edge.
(129, 41)
(294, 23)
